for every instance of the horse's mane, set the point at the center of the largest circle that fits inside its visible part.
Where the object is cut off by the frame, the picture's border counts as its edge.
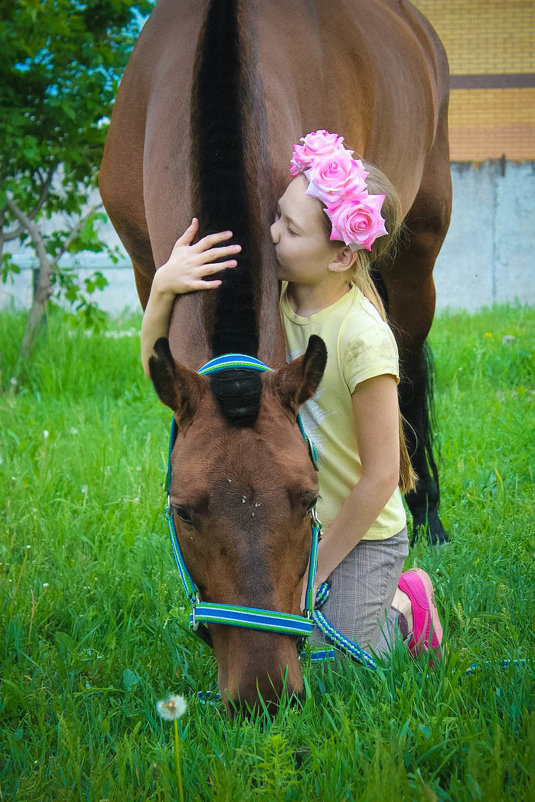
(225, 187)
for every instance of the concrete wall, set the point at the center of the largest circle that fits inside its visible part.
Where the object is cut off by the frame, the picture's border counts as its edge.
(488, 256)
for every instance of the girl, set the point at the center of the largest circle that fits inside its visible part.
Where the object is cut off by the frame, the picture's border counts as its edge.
(329, 227)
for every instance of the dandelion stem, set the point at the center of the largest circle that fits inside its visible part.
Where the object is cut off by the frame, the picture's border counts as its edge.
(178, 768)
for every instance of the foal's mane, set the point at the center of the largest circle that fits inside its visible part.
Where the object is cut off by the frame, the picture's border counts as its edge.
(227, 148)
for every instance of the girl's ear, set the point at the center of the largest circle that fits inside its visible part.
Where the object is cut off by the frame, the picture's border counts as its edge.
(343, 260)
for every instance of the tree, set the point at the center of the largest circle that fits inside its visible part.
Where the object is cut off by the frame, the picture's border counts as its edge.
(60, 67)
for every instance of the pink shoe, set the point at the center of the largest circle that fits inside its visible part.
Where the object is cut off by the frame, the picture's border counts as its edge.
(417, 585)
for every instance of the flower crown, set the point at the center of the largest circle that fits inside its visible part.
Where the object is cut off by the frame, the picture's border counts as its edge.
(339, 181)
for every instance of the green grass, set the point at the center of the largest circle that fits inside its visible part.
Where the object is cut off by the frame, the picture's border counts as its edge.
(93, 616)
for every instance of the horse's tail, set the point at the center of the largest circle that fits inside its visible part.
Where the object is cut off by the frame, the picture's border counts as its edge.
(229, 147)
(427, 428)
(417, 403)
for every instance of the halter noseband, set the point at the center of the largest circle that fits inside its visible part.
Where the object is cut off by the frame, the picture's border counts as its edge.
(203, 613)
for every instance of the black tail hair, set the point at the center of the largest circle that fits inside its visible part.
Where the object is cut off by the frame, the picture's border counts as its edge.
(417, 403)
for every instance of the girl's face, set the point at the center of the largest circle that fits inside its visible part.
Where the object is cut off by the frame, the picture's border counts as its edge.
(303, 250)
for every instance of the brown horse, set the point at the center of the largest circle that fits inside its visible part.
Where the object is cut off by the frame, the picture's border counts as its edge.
(214, 96)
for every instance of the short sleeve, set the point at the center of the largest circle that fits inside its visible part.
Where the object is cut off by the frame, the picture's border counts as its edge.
(369, 353)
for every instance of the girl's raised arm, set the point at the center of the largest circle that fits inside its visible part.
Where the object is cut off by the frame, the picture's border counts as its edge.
(185, 271)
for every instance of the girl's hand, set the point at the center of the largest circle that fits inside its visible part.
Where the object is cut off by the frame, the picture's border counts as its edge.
(188, 265)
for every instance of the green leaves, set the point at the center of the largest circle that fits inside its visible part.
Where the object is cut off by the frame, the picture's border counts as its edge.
(61, 64)
(60, 67)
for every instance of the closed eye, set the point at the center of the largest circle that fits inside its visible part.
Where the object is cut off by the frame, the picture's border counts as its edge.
(310, 500)
(182, 513)
(311, 505)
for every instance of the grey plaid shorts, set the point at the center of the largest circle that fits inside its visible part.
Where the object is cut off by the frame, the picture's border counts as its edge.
(362, 589)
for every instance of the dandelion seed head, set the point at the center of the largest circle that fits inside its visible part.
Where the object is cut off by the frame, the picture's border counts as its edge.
(28, 546)
(171, 708)
(46, 434)
(83, 490)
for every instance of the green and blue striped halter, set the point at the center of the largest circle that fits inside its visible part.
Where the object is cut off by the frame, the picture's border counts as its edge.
(203, 613)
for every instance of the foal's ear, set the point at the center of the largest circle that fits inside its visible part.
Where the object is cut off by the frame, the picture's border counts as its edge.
(297, 382)
(177, 387)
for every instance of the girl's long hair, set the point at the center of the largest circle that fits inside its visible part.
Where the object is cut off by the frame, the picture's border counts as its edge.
(378, 184)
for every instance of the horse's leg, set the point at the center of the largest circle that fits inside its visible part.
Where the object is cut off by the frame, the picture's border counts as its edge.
(410, 292)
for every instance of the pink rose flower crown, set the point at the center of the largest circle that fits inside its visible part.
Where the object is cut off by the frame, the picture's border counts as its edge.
(339, 181)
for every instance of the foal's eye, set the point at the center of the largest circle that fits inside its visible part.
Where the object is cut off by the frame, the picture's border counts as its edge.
(312, 504)
(183, 514)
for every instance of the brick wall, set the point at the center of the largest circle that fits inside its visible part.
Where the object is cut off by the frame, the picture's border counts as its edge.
(491, 50)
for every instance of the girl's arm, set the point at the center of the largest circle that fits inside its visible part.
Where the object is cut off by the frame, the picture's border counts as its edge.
(184, 271)
(375, 411)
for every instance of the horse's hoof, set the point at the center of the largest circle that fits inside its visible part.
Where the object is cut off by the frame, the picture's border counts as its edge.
(429, 526)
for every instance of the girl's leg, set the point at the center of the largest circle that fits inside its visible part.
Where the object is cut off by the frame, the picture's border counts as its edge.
(362, 589)
(414, 599)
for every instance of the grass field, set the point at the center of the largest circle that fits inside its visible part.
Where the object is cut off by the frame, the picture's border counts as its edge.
(93, 616)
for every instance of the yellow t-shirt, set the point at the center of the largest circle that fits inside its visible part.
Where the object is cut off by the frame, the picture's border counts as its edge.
(360, 345)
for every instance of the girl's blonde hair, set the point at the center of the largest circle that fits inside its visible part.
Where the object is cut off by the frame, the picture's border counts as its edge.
(378, 184)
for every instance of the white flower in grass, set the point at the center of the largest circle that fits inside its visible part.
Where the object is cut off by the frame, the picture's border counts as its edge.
(73, 430)
(46, 434)
(171, 708)
(45, 585)
(83, 490)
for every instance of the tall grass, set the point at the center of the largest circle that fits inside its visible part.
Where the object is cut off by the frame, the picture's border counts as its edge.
(93, 618)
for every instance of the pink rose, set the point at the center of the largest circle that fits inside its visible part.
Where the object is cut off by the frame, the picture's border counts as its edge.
(316, 144)
(336, 177)
(358, 222)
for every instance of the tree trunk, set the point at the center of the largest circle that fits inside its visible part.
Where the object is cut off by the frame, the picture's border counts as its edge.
(39, 303)
(44, 286)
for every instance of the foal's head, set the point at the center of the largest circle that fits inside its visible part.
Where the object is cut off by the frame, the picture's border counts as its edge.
(241, 497)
